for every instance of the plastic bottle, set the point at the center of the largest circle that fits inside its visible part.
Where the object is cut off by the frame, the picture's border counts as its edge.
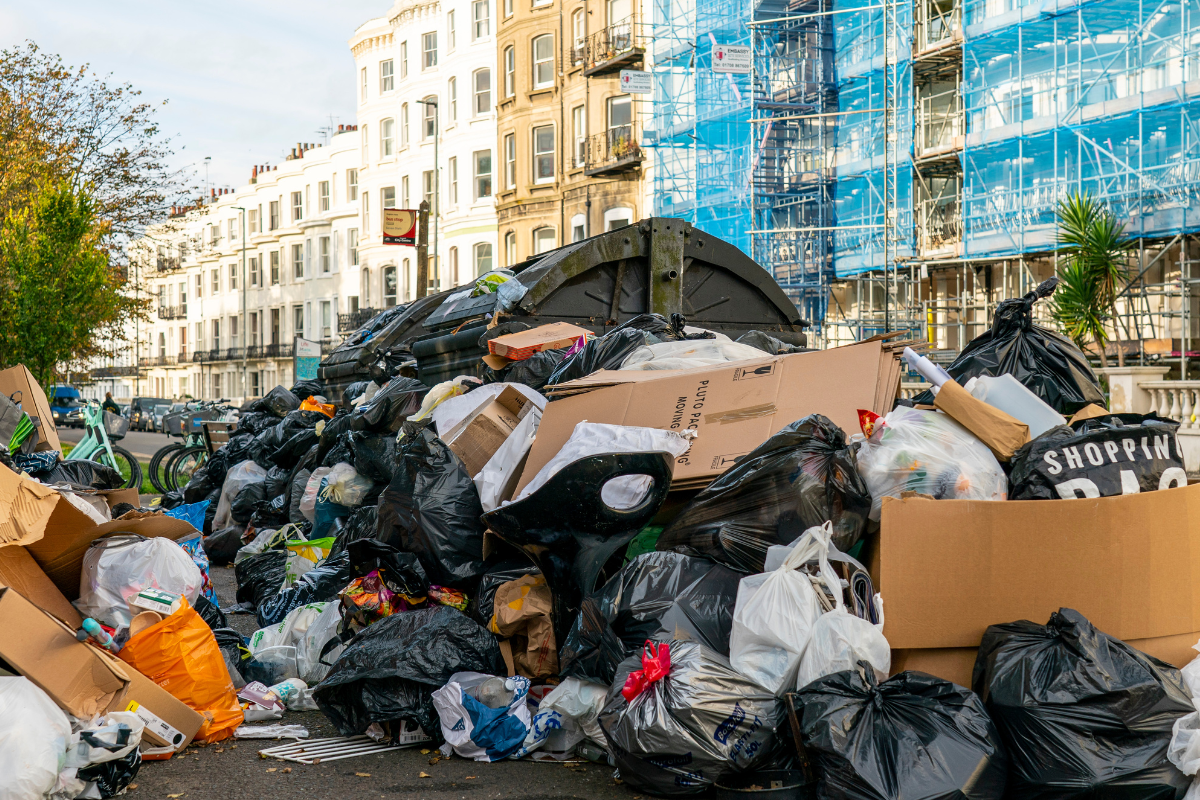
(493, 693)
(926, 368)
(1013, 398)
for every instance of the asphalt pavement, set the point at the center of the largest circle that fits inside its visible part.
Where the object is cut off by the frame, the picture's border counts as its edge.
(142, 445)
(233, 769)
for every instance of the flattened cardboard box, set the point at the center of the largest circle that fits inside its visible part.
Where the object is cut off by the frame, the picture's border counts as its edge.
(25, 508)
(75, 675)
(33, 402)
(733, 407)
(19, 571)
(947, 569)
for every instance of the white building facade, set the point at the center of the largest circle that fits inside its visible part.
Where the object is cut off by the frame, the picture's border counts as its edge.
(427, 67)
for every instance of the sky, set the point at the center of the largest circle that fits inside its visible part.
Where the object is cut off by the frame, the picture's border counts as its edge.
(244, 81)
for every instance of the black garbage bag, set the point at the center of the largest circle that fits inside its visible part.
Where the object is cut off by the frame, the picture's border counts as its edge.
(483, 605)
(390, 407)
(390, 670)
(685, 731)
(260, 576)
(320, 584)
(292, 450)
(533, 371)
(1048, 363)
(210, 613)
(400, 572)
(651, 598)
(239, 448)
(82, 473)
(299, 482)
(233, 648)
(244, 503)
(279, 401)
(255, 422)
(222, 546)
(113, 776)
(210, 512)
(208, 476)
(374, 454)
(803, 476)
(432, 508)
(769, 344)
(604, 352)
(335, 429)
(1082, 713)
(172, 499)
(354, 391)
(1100, 457)
(339, 454)
(270, 513)
(912, 736)
(359, 525)
(277, 481)
(308, 388)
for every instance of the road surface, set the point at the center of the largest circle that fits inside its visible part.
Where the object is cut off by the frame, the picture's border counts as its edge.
(142, 445)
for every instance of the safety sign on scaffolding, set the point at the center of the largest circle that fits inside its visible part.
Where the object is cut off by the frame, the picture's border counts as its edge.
(732, 58)
(635, 81)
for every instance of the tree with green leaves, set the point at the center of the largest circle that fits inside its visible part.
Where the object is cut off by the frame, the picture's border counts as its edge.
(61, 297)
(1093, 271)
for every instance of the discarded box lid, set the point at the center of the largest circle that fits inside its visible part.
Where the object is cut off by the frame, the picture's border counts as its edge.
(523, 344)
(948, 569)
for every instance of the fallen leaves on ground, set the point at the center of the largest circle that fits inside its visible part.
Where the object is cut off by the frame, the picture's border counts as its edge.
(362, 774)
(424, 775)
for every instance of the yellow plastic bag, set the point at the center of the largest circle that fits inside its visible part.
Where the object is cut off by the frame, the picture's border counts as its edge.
(311, 404)
(181, 655)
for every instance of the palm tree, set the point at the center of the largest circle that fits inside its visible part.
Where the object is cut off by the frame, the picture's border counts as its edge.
(1093, 244)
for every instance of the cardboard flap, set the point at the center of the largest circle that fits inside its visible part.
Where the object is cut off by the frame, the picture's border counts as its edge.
(19, 571)
(1002, 433)
(25, 508)
(1090, 411)
(950, 568)
(523, 344)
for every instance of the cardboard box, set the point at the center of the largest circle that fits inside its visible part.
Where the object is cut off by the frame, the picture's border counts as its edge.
(168, 721)
(33, 402)
(480, 438)
(947, 569)
(114, 497)
(19, 571)
(733, 407)
(1002, 433)
(75, 675)
(523, 344)
(25, 508)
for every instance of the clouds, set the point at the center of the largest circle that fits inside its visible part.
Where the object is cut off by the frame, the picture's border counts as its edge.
(244, 80)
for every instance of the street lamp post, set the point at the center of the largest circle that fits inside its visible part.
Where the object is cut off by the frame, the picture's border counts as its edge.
(437, 185)
(245, 329)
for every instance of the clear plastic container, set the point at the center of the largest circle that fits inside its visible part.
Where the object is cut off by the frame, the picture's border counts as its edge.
(1012, 397)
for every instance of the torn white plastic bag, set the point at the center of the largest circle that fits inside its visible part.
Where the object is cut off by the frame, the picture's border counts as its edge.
(690, 354)
(116, 568)
(598, 438)
(565, 718)
(238, 477)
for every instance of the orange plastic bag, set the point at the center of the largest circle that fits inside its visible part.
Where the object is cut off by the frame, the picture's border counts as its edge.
(181, 655)
(311, 404)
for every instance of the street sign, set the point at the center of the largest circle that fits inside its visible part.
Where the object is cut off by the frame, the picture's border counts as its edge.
(635, 81)
(307, 357)
(732, 58)
(400, 226)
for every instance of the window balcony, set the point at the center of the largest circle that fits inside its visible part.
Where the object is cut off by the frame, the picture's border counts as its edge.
(356, 319)
(167, 264)
(615, 151)
(172, 312)
(613, 49)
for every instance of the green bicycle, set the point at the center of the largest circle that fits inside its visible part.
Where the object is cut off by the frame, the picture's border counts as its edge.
(100, 429)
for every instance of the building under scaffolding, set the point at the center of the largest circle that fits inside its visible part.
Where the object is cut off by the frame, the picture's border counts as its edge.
(897, 164)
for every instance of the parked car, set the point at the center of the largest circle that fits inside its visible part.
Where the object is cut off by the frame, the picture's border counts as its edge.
(160, 411)
(141, 412)
(64, 400)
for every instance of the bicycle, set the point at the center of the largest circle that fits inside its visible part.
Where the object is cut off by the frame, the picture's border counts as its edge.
(100, 429)
(174, 463)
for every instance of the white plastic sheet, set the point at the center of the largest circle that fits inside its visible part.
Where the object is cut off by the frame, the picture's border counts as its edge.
(309, 645)
(117, 567)
(35, 736)
(690, 354)
(597, 438)
(239, 477)
(776, 611)
(308, 502)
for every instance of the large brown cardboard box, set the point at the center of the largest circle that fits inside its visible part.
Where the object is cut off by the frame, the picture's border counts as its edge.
(733, 407)
(947, 569)
(75, 675)
(168, 721)
(19, 571)
(33, 402)
(25, 508)
(483, 435)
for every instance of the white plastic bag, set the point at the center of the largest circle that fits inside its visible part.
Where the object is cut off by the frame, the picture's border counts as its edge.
(596, 438)
(343, 485)
(502, 466)
(110, 737)
(239, 477)
(35, 736)
(289, 631)
(461, 714)
(117, 567)
(567, 716)
(318, 633)
(839, 640)
(1184, 748)
(776, 611)
(929, 453)
(690, 354)
(308, 503)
